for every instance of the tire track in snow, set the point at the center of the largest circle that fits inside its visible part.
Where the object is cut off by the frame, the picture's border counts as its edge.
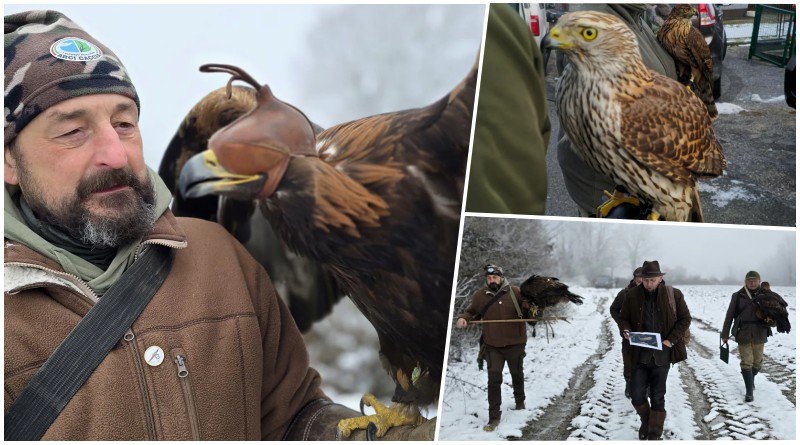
(554, 423)
(772, 370)
(728, 417)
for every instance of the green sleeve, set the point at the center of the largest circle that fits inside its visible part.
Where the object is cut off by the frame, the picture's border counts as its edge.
(507, 173)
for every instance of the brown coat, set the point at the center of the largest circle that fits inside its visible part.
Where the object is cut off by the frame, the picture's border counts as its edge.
(673, 326)
(247, 363)
(499, 334)
(616, 305)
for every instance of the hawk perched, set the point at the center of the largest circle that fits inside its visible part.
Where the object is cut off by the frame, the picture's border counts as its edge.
(691, 53)
(643, 130)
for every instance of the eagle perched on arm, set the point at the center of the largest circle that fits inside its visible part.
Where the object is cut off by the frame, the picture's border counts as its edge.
(692, 55)
(376, 201)
(644, 131)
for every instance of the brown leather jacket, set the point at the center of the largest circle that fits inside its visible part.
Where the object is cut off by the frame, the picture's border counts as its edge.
(499, 334)
(673, 327)
(248, 371)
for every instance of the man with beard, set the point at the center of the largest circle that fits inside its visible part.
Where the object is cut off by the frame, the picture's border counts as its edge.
(503, 342)
(654, 307)
(215, 354)
(616, 310)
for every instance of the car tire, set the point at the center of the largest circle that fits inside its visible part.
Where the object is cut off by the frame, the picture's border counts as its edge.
(717, 88)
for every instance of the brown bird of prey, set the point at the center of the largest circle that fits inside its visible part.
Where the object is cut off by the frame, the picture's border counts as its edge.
(692, 55)
(645, 131)
(376, 200)
(306, 286)
(547, 291)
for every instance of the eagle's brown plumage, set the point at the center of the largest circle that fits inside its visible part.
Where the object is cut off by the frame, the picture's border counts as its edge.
(547, 291)
(692, 55)
(643, 130)
(379, 206)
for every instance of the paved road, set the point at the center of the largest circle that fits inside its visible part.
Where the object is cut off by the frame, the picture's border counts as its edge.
(759, 143)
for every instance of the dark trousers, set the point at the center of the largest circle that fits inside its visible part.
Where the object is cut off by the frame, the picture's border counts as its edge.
(628, 364)
(655, 377)
(497, 358)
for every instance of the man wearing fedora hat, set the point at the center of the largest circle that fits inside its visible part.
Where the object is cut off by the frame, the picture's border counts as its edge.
(616, 310)
(652, 306)
(503, 342)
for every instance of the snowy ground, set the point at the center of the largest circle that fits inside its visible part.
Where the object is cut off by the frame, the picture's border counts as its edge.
(575, 389)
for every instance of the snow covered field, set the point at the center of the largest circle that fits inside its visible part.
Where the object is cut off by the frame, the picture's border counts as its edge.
(575, 389)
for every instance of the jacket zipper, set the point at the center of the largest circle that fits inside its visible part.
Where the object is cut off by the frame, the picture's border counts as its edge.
(87, 293)
(149, 417)
(188, 394)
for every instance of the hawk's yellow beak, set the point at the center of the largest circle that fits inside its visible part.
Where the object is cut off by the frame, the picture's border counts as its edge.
(556, 38)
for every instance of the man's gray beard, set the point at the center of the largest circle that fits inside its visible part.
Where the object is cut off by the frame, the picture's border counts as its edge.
(103, 232)
(107, 232)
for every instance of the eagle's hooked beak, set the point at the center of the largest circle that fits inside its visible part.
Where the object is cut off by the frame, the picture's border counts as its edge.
(204, 175)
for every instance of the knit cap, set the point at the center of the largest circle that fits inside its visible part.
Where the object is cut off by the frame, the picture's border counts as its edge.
(752, 274)
(49, 59)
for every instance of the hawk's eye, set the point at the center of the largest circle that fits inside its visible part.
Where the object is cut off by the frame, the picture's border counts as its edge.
(589, 33)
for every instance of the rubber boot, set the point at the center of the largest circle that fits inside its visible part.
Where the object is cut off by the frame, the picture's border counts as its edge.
(493, 422)
(747, 376)
(656, 425)
(755, 373)
(644, 415)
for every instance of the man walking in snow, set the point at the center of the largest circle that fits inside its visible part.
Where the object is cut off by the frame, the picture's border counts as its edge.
(504, 342)
(616, 310)
(654, 307)
(749, 331)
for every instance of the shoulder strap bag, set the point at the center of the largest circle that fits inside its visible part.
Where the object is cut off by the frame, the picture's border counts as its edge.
(76, 358)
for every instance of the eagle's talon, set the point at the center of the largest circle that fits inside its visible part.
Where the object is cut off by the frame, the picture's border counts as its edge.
(378, 424)
(372, 431)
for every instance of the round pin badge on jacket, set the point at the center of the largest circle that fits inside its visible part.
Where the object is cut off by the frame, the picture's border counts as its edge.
(154, 356)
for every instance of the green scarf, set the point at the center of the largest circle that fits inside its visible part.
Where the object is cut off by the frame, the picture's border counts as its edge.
(98, 279)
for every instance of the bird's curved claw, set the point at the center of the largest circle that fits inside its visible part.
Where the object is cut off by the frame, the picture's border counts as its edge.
(378, 424)
(372, 430)
(616, 199)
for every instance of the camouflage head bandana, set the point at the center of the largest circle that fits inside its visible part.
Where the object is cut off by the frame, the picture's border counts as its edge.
(48, 59)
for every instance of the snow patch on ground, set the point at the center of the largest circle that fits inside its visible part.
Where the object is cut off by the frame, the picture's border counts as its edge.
(722, 197)
(757, 98)
(729, 108)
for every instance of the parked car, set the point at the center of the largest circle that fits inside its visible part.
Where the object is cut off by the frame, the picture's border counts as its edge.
(709, 21)
(535, 16)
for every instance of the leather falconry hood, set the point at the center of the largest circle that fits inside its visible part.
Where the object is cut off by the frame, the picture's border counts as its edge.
(262, 140)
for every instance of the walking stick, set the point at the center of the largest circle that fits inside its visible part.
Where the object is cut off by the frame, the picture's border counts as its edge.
(519, 320)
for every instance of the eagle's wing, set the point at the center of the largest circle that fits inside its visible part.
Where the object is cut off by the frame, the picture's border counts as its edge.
(700, 52)
(666, 128)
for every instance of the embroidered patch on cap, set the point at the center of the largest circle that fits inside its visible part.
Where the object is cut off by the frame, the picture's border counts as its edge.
(75, 49)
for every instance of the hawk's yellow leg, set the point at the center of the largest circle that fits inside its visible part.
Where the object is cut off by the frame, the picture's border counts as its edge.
(384, 418)
(614, 200)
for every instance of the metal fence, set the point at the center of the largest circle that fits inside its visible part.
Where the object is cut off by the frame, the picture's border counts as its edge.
(774, 33)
